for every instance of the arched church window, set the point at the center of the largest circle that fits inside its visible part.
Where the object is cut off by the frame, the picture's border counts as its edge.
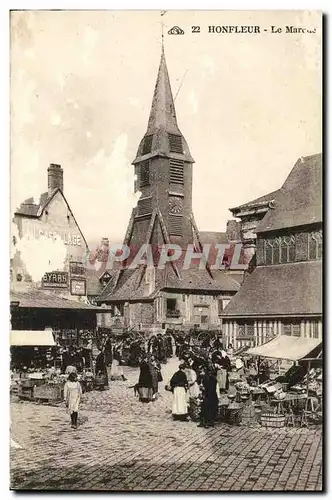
(268, 248)
(315, 245)
(276, 251)
(287, 249)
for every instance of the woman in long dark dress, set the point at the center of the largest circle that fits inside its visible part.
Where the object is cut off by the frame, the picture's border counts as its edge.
(179, 386)
(155, 371)
(145, 382)
(209, 408)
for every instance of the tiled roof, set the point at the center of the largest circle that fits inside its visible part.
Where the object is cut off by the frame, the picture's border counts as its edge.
(199, 279)
(299, 201)
(262, 200)
(285, 289)
(28, 207)
(39, 299)
(132, 285)
(213, 237)
(94, 285)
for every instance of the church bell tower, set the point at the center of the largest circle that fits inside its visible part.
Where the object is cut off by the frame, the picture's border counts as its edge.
(163, 168)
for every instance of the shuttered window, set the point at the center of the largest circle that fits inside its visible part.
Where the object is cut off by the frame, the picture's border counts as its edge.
(144, 173)
(175, 225)
(144, 206)
(176, 171)
(175, 143)
(147, 144)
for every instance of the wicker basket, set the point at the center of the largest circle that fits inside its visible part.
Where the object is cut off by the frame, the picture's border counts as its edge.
(48, 392)
(194, 409)
(273, 420)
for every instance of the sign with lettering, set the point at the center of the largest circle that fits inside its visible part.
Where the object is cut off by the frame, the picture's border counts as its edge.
(77, 287)
(56, 279)
(76, 269)
(39, 229)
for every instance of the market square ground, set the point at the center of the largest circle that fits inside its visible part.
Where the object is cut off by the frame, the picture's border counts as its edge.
(122, 444)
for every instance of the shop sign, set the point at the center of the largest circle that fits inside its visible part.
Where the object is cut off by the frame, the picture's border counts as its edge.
(36, 230)
(57, 279)
(77, 269)
(77, 287)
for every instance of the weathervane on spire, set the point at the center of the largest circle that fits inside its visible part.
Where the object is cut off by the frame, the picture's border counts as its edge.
(162, 13)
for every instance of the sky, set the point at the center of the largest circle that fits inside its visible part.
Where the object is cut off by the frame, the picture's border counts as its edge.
(81, 89)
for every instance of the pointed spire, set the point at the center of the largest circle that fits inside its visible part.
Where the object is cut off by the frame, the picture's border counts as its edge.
(162, 114)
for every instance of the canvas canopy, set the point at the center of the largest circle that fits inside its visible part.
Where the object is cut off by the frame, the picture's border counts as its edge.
(286, 347)
(36, 338)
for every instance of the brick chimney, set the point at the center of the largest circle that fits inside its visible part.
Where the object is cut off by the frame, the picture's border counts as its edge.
(55, 177)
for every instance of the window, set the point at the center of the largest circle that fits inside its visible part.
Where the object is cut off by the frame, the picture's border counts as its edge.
(315, 245)
(144, 173)
(268, 252)
(291, 329)
(246, 330)
(175, 225)
(175, 143)
(279, 250)
(276, 251)
(222, 303)
(176, 172)
(287, 248)
(201, 315)
(172, 310)
(147, 144)
(315, 329)
(144, 206)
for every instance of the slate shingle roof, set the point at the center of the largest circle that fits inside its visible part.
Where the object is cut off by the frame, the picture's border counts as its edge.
(283, 289)
(299, 201)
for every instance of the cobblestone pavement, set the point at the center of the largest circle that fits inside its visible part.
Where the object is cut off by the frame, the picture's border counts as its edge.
(122, 444)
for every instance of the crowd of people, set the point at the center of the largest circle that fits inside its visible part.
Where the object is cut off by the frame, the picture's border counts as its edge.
(203, 373)
(203, 370)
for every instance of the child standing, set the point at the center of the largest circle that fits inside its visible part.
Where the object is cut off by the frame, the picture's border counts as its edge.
(72, 396)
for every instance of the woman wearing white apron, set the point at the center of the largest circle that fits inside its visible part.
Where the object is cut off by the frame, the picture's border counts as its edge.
(116, 369)
(179, 386)
(193, 388)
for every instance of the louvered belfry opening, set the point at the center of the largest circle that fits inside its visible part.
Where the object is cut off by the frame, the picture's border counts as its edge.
(175, 225)
(144, 206)
(144, 173)
(176, 171)
(147, 144)
(175, 143)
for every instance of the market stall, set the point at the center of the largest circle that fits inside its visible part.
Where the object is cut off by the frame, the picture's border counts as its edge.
(276, 384)
(297, 393)
(35, 374)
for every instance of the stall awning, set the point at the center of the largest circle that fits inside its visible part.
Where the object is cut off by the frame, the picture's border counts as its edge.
(36, 338)
(286, 347)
